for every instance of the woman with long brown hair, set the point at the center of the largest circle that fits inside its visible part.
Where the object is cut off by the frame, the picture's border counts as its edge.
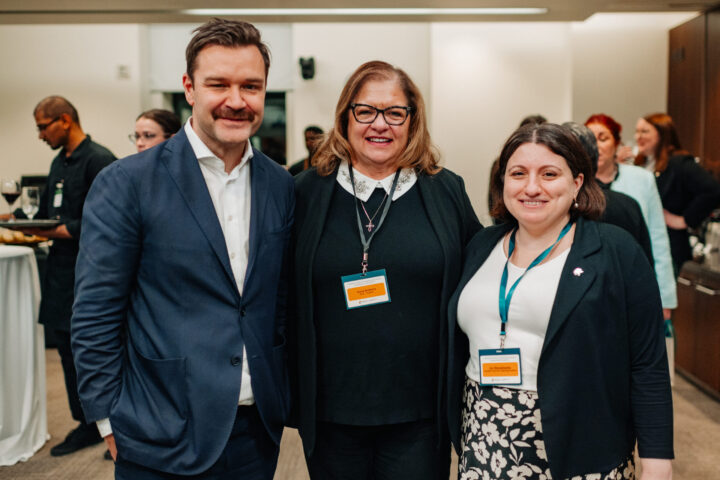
(688, 192)
(380, 229)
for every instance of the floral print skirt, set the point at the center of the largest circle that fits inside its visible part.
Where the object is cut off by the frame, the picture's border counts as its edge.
(502, 438)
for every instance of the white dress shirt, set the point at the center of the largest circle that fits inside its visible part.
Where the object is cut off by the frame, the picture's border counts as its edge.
(478, 312)
(231, 197)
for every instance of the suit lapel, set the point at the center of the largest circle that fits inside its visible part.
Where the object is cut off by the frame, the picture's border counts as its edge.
(259, 189)
(184, 169)
(577, 275)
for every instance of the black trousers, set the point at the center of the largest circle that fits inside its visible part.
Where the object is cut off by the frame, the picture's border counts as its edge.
(385, 452)
(62, 340)
(250, 454)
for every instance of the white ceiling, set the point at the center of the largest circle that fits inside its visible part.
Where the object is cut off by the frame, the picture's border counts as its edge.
(169, 11)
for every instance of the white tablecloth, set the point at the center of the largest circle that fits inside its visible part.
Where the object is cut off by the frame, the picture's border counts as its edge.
(23, 413)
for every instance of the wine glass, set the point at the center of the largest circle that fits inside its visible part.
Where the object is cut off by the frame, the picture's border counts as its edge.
(10, 189)
(30, 201)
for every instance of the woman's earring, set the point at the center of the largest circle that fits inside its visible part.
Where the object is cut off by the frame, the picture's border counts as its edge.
(575, 204)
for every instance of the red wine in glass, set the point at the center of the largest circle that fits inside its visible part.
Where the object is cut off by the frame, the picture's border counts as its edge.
(10, 197)
(10, 189)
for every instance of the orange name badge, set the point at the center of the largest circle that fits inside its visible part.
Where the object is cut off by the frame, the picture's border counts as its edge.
(500, 366)
(364, 290)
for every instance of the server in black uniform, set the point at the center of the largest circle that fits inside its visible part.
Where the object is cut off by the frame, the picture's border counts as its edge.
(71, 174)
(380, 231)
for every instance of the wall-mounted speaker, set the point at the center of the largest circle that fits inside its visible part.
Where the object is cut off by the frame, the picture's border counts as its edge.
(307, 68)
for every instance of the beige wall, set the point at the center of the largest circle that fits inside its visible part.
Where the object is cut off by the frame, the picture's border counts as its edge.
(479, 79)
(485, 79)
(79, 62)
(620, 66)
(338, 50)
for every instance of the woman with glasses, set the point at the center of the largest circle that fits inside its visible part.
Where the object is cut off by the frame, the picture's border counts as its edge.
(154, 127)
(380, 229)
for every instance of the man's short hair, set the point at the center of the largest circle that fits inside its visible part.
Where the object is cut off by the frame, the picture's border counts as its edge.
(226, 33)
(54, 106)
(314, 129)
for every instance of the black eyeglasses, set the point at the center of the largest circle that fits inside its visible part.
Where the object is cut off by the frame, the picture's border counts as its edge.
(134, 137)
(42, 126)
(395, 115)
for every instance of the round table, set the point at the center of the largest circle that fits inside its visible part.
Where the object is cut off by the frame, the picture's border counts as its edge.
(23, 413)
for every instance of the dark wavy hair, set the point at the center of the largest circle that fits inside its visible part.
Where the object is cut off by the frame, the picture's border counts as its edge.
(560, 141)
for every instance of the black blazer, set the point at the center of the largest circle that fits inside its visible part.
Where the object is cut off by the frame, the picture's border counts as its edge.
(603, 375)
(688, 190)
(454, 221)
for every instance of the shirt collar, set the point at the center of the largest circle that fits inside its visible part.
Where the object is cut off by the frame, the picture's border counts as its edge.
(78, 150)
(208, 158)
(364, 185)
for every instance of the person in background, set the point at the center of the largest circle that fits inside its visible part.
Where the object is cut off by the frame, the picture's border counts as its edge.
(379, 237)
(689, 193)
(557, 357)
(620, 209)
(153, 127)
(640, 185)
(530, 119)
(313, 137)
(178, 326)
(72, 172)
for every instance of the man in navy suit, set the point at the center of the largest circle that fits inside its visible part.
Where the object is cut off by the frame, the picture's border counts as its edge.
(178, 327)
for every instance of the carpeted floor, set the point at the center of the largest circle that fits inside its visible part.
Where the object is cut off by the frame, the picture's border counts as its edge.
(697, 436)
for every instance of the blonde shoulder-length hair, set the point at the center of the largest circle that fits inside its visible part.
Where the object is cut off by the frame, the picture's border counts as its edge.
(419, 154)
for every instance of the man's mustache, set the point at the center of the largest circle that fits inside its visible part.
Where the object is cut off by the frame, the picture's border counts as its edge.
(231, 114)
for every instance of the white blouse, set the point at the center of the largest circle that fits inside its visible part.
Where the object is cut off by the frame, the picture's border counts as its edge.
(528, 317)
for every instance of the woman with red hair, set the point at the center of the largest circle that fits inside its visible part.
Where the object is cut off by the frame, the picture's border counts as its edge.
(640, 185)
(689, 193)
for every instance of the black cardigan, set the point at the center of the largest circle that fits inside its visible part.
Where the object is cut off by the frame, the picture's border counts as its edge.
(454, 222)
(603, 375)
(688, 190)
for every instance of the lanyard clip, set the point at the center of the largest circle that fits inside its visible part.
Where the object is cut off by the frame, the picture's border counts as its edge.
(502, 341)
(364, 263)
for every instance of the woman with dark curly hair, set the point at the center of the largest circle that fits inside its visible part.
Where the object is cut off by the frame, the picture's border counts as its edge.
(557, 354)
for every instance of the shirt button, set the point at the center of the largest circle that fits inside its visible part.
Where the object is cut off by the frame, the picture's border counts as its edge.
(230, 218)
(232, 256)
(235, 361)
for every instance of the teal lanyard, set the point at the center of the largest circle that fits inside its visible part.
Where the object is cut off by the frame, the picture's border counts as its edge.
(504, 301)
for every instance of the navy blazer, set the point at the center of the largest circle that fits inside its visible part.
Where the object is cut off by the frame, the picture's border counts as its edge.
(454, 222)
(153, 262)
(603, 377)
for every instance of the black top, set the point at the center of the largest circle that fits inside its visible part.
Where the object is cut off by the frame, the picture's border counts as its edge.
(688, 190)
(76, 174)
(624, 211)
(378, 364)
(448, 209)
(296, 167)
(603, 379)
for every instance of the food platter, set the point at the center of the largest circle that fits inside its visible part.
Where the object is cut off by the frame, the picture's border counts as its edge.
(24, 223)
